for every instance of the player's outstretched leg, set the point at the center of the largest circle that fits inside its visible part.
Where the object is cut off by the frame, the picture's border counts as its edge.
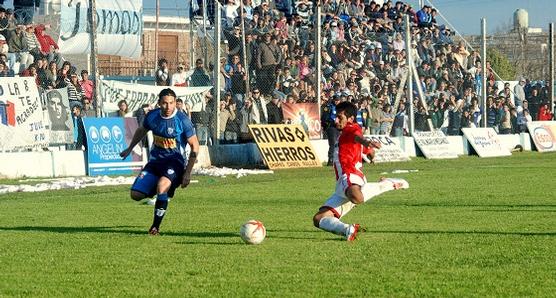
(326, 221)
(371, 190)
(159, 211)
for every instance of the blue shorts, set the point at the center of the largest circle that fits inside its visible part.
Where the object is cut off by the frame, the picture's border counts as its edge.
(147, 180)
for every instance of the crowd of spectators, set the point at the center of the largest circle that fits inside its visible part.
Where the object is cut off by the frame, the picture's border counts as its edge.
(364, 57)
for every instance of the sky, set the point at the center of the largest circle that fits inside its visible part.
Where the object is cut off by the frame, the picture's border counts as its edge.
(464, 15)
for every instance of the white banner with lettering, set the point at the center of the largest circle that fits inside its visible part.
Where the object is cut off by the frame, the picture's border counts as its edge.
(485, 141)
(543, 134)
(21, 115)
(111, 92)
(390, 150)
(434, 144)
(119, 27)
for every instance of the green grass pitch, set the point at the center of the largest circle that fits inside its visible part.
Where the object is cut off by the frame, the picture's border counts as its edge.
(466, 227)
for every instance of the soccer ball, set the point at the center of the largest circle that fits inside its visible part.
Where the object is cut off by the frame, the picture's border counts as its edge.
(252, 232)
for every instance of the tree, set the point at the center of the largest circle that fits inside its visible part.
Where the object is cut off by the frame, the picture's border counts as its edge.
(501, 65)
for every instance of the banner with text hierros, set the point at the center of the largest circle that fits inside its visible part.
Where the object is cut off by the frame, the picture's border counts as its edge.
(119, 27)
(434, 144)
(284, 146)
(22, 124)
(111, 92)
(389, 151)
(543, 134)
(485, 141)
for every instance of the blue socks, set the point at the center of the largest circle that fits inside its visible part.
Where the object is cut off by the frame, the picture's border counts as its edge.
(160, 209)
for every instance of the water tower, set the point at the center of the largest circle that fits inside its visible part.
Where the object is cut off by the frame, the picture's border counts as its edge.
(521, 20)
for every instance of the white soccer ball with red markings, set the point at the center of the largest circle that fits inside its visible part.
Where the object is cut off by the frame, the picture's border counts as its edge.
(252, 232)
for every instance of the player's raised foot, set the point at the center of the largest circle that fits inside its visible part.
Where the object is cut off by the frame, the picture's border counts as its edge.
(153, 231)
(150, 202)
(352, 231)
(398, 183)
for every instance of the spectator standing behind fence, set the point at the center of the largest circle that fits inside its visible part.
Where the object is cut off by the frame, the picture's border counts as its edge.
(87, 86)
(268, 57)
(4, 49)
(75, 93)
(18, 49)
(162, 74)
(32, 42)
(227, 116)
(48, 47)
(63, 75)
(179, 79)
(545, 114)
(122, 108)
(25, 10)
(199, 77)
(260, 114)
(274, 109)
(79, 139)
(246, 118)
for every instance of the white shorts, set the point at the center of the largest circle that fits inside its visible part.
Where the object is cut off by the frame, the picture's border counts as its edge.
(339, 203)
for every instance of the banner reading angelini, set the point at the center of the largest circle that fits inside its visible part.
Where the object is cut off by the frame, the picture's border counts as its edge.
(284, 146)
(59, 115)
(304, 114)
(119, 27)
(22, 124)
(106, 138)
(111, 92)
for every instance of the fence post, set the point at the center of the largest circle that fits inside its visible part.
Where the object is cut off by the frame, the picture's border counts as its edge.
(318, 58)
(551, 65)
(216, 72)
(483, 72)
(409, 76)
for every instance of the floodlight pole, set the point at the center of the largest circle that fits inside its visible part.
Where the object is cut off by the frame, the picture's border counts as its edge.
(483, 72)
(94, 57)
(318, 54)
(551, 65)
(216, 72)
(244, 49)
(409, 76)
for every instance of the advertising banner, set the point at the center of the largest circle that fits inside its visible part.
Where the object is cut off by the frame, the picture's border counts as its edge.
(22, 123)
(119, 27)
(106, 138)
(543, 134)
(111, 92)
(390, 150)
(485, 141)
(284, 146)
(59, 116)
(434, 144)
(304, 114)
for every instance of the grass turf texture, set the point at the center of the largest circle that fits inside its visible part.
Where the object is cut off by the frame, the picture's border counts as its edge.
(466, 227)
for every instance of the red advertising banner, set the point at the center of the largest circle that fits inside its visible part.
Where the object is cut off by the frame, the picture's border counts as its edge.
(304, 114)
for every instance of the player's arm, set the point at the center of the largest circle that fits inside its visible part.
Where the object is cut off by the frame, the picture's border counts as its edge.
(367, 142)
(194, 145)
(139, 134)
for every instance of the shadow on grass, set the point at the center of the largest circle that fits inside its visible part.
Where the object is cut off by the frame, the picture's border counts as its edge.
(115, 230)
(484, 206)
(466, 232)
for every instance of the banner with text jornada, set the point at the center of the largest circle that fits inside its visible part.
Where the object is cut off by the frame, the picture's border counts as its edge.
(390, 149)
(284, 146)
(21, 115)
(543, 134)
(119, 27)
(111, 92)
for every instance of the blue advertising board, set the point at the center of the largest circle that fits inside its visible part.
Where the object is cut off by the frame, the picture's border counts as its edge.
(106, 138)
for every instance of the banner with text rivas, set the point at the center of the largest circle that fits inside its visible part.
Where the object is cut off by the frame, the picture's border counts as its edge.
(22, 123)
(284, 146)
(543, 134)
(304, 114)
(390, 149)
(486, 142)
(106, 138)
(58, 113)
(119, 27)
(111, 92)
(434, 144)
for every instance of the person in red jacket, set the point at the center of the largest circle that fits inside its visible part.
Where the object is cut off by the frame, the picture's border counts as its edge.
(48, 46)
(545, 114)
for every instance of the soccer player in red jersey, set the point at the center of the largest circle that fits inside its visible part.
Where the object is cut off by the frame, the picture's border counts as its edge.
(352, 187)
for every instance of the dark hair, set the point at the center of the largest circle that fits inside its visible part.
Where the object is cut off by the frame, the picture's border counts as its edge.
(166, 92)
(350, 110)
